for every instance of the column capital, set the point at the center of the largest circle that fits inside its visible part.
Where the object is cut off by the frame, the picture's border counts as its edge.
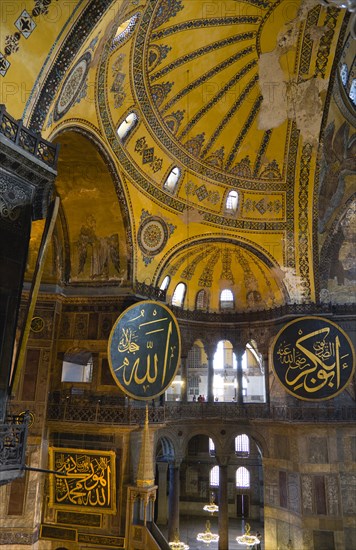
(222, 460)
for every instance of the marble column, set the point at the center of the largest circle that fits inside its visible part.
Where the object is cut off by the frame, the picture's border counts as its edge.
(173, 505)
(223, 508)
(184, 376)
(266, 375)
(210, 390)
(239, 353)
(162, 511)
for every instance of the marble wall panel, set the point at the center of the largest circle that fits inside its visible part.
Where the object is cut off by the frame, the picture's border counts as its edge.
(332, 495)
(318, 450)
(271, 487)
(348, 493)
(307, 494)
(294, 503)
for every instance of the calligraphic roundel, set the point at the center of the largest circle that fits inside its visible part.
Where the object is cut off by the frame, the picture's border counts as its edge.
(143, 350)
(313, 358)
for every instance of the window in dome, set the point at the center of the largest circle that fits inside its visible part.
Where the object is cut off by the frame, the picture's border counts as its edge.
(214, 477)
(242, 445)
(344, 74)
(202, 300)
(232, 202)
(226, 299)
(165, 283)
(179, 295)
(242, 477)
(172, 179)
(124, 30)
(127, 126)
(352, 92)
(211, 447)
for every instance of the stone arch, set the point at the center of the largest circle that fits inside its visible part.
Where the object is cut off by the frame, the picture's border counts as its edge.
(116, 266)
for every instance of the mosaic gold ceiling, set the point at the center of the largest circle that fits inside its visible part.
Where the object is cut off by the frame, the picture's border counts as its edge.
(231, 96)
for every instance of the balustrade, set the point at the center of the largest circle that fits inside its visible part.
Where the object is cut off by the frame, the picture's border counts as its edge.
(86, 410)
(26, 139)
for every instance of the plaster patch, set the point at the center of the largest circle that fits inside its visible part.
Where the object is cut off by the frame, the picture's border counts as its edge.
(273, 110)
(283, 96)
(190, 216)
(293, 284)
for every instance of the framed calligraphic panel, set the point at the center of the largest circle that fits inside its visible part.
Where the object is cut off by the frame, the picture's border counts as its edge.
(313, 358)
(85, 480)
(144, 349)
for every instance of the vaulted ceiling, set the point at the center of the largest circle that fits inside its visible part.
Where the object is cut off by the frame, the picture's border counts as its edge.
(239, 96)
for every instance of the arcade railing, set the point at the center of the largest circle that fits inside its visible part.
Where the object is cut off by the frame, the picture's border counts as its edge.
(27, 140)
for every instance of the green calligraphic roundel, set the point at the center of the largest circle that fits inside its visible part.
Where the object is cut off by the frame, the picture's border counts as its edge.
(144, 349)
(313, 358)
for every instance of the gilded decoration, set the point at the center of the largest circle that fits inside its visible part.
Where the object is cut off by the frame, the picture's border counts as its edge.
(153, 234)
(240, 269)
(89, 482)
(313, 358)
(73, 87)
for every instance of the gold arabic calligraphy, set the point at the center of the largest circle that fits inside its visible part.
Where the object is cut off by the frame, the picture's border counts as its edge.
(144, 370)
(87, 482)
(314, 362)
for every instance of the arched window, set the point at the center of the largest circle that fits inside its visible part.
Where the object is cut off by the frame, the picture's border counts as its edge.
(202, 300)
(214, 477)
(226, 299)
(211, 447)
(232, 200)
(179, 295)
(352, 92)
(242, 477)
(172, 179)
(344, 74)
(127, 126)
(77, 366)
(242, 445)
(124, 30)
(165, 283)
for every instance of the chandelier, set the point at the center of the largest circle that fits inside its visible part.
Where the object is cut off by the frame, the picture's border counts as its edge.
(246, 538)
(177, 544)
(211, 507)
(207, 536)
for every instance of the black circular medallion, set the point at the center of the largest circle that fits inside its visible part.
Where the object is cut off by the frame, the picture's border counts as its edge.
(313, 358)
(144, 349)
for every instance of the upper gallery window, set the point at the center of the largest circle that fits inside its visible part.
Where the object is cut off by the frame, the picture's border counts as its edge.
(171, 182)
(242, 477)
(226, 299)
(77, 366)
(127, 125)
(179, 295)
(214, 477)
(242, 445)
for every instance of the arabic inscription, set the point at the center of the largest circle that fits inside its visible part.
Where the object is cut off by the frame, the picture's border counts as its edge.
(144, 349)
(86, 479)
(313, 358)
